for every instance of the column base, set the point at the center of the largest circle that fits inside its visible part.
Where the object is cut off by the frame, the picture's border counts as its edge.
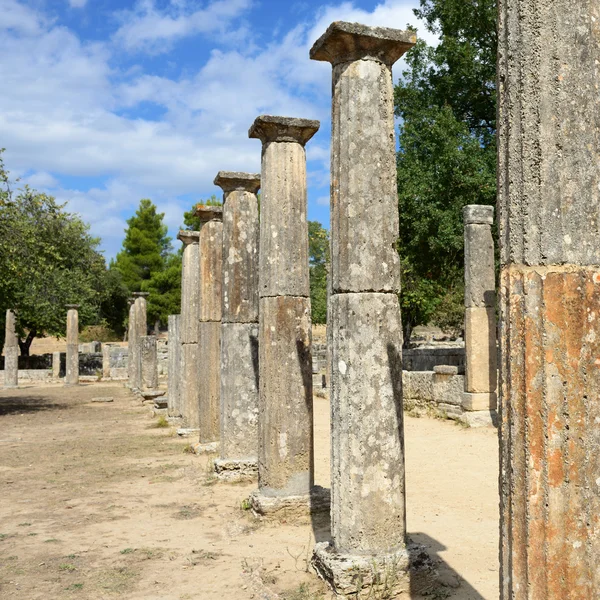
(187, 431)
(10, 387)
(228, 469)
(208, 448)
(318, 501)
(479, 401)
(480, 418)
(383, 575)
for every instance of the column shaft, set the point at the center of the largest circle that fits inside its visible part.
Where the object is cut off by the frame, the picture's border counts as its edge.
(106, 361)
(174, 366)
(131, 349)
(11, 351)
(140, 330)
(72, 369)
(549, 193)
(149, 359)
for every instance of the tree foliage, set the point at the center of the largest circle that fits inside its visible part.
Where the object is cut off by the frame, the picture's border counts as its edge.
(47, 259)
(446, 101)
(318, 251)
(190, 221)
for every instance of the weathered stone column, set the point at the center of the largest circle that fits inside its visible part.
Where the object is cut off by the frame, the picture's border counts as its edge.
(209, 327)
(56, 365)
(131, 360)
(549, 198)
(239, 328)
(285, 454)
(479, 399)
(72, 369)
(106, 361)
(149, 359)
(11, 351)
(174, 366)
(190, 315)
(368, 523)
(140, 329)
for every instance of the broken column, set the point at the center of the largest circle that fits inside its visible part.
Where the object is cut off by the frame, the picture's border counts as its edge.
(140, 328)
(56, 365)
(239, 328)
(174, 366)
(548, 199)
(72, 367)
(149, 360)
(285, 454)
(106, 361)
(209, 327)
(190, 314)
(479, 399)
(131, 333)
(11, 351)
(368, 523)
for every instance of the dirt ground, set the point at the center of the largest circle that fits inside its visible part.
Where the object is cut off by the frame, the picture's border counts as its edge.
(98, 502)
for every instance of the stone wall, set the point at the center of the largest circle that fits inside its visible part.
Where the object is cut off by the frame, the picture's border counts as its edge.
(425, 358)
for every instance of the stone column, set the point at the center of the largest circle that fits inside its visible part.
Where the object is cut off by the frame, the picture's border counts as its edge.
(548, 199)
(140, 328)
(56, 365)
(285, 454)
(368, 523)
(11, 351)
(106, 361)
(190, 314)
(479, 399)
(149, 360)
(72, 369)
(209, 327)
(239, 328)
(131, 360)
(174, 366)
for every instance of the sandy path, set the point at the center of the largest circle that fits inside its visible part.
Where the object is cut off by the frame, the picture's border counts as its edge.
(98, 504)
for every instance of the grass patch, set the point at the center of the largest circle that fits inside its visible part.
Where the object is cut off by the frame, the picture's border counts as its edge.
(190, 511)
(68, 567)
(118, 580)
(74, 587)
(24, 525)
(161, 423)
(51, 541)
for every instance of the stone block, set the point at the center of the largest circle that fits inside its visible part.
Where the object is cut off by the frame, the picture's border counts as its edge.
(211, 275)
(190, 385)
(448, 388)
(481, 358)
(209, 380)
(417, 385)
(479, 401)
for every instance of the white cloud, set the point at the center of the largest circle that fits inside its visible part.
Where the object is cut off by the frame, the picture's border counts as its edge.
(77, 3)
(64, 109)
(151, 29)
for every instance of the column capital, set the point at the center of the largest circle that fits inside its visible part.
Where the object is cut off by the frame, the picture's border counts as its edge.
(208, 213)
(188, 237)
(141, 294)
(267, 128)
(230, 181)
(478, 214)
(72, 306)
(348, 42)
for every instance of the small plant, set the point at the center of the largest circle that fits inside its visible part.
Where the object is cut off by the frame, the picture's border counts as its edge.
(3, 536)
(24, 525)
(51, 541)
(98, 374)
(128, 551)
(245, 504)
(74, 587)
(161, 422)
(32, 534)
(67, 567)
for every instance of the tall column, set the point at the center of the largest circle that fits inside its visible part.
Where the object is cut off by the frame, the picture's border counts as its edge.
(72, 369)
(285, 454)
(56, 365)
(174, 366)
(549, 198)
(11, 351)
(140, 329)
(239, 328)
(106, 360)
(190, 315)
(131, 332)
(479, 399)
(209, 332)
(149, 360)
(368, 523)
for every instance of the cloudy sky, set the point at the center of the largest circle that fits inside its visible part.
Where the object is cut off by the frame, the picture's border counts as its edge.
(105, 102)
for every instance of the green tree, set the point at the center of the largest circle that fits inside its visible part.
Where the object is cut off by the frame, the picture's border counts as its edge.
(190, 221)
(165, 291)
(446, 101)
(146, 246)
(318, 252)
(47, 259)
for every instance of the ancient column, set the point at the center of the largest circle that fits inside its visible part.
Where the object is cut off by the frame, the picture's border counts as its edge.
(11, 351)
(140, 329)
(56, 365)
(72, 369)
(239, 328)
(549, 217)
(209, 327)
(285, 453)
(149, 360)
(131, 356)
(190, 314)
(368, 524)
(106, 361)
(479, 399)
(174, 366)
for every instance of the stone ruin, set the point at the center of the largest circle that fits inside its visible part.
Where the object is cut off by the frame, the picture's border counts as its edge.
(257, 304)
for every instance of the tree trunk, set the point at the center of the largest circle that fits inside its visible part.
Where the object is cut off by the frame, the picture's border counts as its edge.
(407, 327)
(25, 344)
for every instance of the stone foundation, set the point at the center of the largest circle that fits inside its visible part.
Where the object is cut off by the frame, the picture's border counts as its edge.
(236, 470)
(318, 501)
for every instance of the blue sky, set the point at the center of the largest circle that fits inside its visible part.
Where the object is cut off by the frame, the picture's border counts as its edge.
(105, 102)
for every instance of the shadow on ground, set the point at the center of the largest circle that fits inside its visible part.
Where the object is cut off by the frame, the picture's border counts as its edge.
(28, 404)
